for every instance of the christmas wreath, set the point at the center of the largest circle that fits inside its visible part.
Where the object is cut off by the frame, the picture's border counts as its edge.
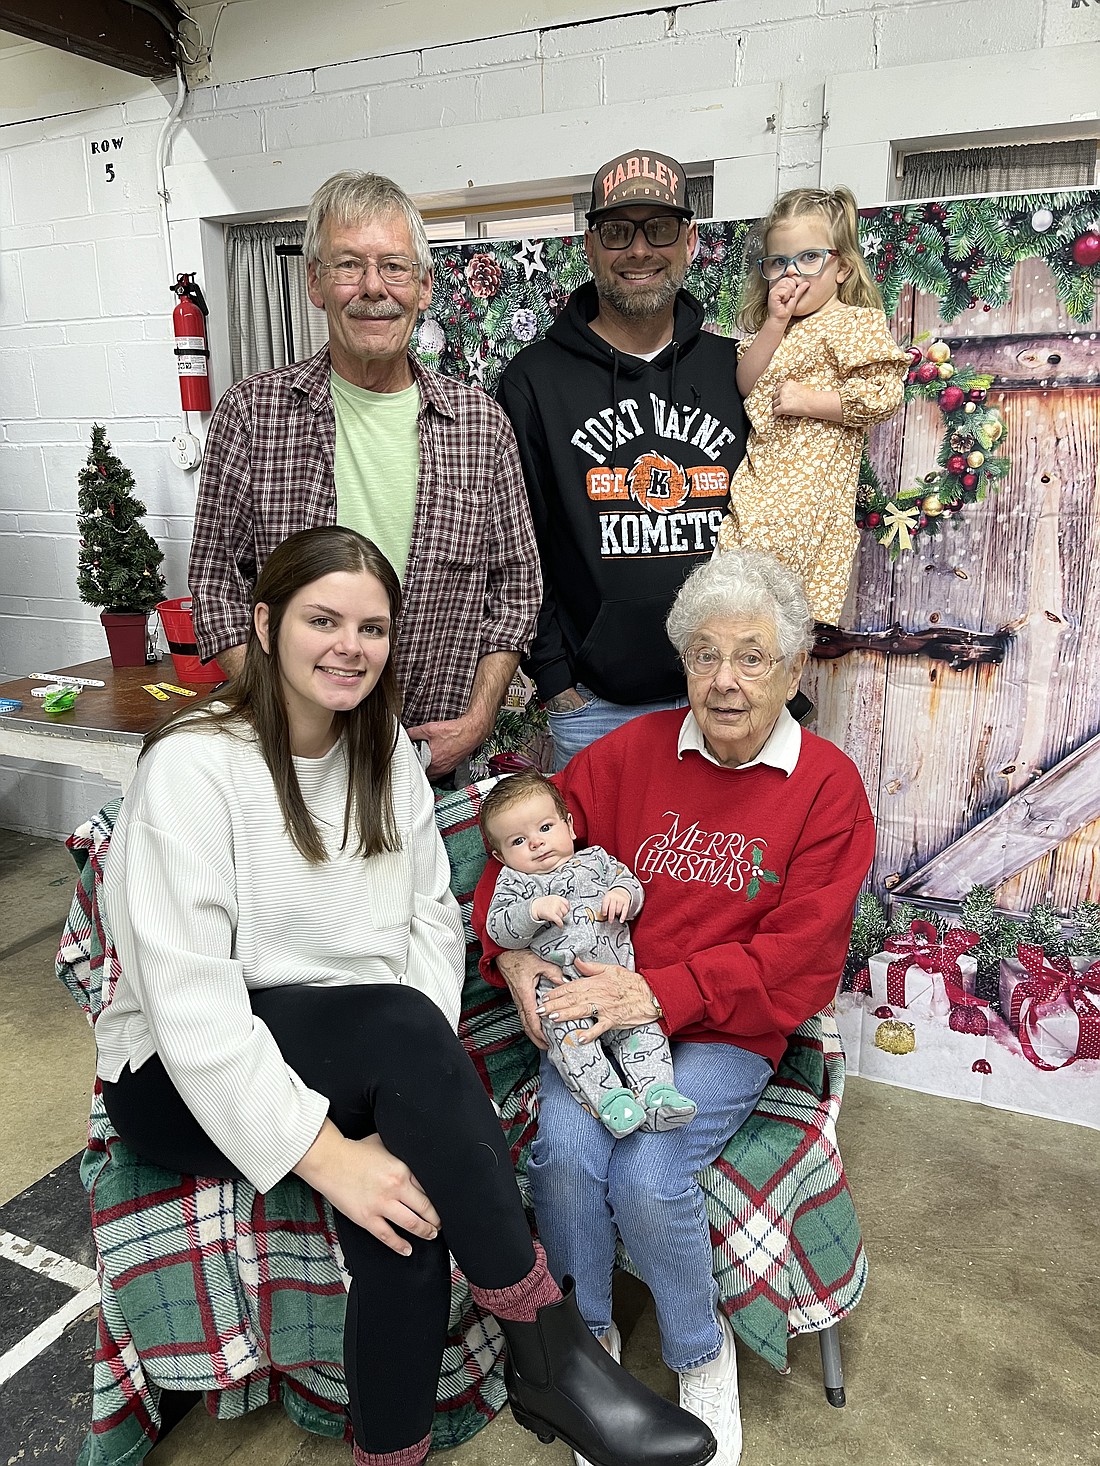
(969, 465)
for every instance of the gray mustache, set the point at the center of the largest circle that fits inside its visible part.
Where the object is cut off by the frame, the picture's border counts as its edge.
(373, 310)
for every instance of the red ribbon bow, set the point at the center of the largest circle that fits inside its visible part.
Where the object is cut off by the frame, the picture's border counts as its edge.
(922, 948)
(1049, 982)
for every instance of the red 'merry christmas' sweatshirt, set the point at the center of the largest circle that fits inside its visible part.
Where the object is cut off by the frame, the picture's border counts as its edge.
(750, 876)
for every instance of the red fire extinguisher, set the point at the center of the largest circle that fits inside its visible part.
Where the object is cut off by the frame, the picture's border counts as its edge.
(192, 356)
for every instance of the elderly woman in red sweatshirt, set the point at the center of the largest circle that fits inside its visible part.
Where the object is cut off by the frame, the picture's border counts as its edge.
(751, 837)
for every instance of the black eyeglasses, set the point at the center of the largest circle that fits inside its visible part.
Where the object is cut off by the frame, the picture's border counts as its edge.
(807, 262)
(660, 231)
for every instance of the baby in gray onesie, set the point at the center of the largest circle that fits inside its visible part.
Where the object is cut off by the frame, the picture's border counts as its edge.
(564, 905)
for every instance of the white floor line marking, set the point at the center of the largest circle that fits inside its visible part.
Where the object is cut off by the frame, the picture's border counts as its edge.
(46, 1263)
(21, 1354)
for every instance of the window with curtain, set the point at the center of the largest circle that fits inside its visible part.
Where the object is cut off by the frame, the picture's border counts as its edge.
(1019, 168)
(271, 320)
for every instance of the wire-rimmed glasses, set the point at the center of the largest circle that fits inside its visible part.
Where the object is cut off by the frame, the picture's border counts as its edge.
(748, 665)
(392, 269)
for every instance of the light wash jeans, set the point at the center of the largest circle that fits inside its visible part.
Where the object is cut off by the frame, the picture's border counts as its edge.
(587, 1185)
(581, 726)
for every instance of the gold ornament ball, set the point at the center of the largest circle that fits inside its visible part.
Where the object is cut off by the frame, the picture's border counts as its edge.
(975, 459)
(932, 505)
(895, 1037)
(938, 351)
(970, 408)
(994, 430)
(946, 370)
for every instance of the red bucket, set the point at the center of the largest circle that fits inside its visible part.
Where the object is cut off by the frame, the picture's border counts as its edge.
(179, 632)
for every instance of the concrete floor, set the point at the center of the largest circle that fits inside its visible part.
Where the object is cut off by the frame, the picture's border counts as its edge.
(976, 1342)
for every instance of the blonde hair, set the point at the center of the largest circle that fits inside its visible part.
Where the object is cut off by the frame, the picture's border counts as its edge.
(837, 206)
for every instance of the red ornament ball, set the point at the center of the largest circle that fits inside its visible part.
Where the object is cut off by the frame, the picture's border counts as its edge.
(981, 1066)
(970, 480)
(910, 376)
(952, 398)
(977, 394)
(874, 518)
(915, 354)
(928, 372)
(1086, 250)
(967, 1019)
(956, 463)
(884, 1012)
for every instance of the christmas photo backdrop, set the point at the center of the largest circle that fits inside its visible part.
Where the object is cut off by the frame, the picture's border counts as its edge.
(962, 679)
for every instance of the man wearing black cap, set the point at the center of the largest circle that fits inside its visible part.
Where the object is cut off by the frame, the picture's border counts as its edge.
(629, 425)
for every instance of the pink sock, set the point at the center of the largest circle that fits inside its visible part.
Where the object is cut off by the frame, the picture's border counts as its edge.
(406, 1456)
(520, 1302)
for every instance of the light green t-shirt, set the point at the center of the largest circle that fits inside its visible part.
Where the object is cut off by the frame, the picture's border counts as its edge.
(377, 465)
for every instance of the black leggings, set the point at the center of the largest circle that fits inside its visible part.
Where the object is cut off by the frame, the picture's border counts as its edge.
(387, 1061)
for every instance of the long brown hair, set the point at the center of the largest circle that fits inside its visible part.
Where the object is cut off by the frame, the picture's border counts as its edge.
(837, 207)
(255, 696)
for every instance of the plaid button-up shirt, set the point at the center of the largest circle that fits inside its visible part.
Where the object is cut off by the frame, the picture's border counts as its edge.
(472, 582)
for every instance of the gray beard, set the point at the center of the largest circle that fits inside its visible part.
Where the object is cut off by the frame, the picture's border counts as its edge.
(641, 304)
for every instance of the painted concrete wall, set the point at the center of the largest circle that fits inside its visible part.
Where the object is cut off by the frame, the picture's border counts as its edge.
(743, 85)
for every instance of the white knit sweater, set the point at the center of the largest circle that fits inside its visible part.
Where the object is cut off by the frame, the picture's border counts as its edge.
(207, 897)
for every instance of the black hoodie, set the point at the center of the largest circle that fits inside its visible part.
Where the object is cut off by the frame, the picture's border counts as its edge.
(621, 518)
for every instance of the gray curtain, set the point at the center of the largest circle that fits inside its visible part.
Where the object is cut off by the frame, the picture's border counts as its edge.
(700, 197)
(257, 330)
(1024, 168)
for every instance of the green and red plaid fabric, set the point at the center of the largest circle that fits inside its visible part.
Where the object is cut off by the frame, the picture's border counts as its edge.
(208, 1285)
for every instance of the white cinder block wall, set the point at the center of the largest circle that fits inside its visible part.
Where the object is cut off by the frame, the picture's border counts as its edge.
(85, 330)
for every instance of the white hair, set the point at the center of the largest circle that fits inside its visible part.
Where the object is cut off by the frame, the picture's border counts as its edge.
(349, 198)
(741, 584)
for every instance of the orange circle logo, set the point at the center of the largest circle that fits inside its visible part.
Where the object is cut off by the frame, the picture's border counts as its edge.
(657, 483)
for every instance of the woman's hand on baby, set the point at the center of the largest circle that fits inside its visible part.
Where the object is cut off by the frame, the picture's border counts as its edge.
(616, 904)
(370, 1187)
(783, 297)
(521, 971)
(621, 998)
(550, 908)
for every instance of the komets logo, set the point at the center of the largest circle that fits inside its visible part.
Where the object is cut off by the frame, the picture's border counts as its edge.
(657, 483)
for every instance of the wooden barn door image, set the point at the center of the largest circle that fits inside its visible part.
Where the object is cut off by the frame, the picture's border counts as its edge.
(981, 752)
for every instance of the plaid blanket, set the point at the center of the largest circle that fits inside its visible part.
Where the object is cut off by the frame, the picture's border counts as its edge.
(208, 1285)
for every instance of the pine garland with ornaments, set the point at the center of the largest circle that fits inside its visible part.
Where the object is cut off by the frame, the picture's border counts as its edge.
(964, 251)
(969, 461)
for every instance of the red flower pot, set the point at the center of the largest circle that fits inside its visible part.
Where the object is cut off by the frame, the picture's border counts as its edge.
(125, 637)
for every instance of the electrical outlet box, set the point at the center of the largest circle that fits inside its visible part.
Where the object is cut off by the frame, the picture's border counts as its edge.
(186, 451)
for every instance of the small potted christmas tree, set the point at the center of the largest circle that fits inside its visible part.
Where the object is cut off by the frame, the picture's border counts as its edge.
(119, 564)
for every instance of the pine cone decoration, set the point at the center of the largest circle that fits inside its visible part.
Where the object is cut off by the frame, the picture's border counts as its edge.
(484, 276)
(961, 442)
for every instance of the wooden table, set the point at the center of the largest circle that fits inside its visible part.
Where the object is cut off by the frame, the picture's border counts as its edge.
(103, 731)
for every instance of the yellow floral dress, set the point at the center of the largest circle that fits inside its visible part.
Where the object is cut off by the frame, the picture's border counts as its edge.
(794, 493)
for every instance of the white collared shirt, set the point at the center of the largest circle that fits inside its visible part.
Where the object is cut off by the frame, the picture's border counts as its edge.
(784, 743)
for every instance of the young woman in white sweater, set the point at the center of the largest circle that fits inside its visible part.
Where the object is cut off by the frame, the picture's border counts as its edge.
(292, 963)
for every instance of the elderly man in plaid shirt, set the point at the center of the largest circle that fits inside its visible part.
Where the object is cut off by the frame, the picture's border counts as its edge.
(363, 435)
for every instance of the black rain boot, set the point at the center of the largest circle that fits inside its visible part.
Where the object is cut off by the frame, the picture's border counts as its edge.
(563, 1382)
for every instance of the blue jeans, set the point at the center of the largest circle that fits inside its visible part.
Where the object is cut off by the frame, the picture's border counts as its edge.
(581, 726)
(587, 1185)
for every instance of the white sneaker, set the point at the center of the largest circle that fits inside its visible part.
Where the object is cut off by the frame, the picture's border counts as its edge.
(614, 1343)
(710, 1392)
